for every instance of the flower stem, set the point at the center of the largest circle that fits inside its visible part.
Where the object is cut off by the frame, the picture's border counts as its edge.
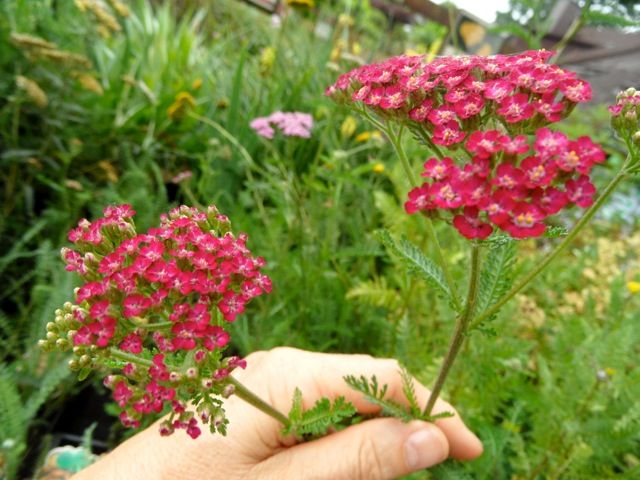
(556, 251)
(396, 141)
(462, 324)
(251, 398)
(240, 390)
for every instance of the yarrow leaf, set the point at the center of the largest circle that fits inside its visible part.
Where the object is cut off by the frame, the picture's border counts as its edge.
(409, 390)
(496, 277)
(319, 420)
(375, 394)
(416, 262)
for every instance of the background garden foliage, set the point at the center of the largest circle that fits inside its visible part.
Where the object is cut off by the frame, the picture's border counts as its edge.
(149, 103)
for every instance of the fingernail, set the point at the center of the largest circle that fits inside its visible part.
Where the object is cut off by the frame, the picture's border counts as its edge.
(424, 448)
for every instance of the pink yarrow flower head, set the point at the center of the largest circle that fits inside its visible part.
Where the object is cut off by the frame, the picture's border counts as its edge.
(499, 165)
(445, 98)
(505, 183)
(291, 124)
(159, 302)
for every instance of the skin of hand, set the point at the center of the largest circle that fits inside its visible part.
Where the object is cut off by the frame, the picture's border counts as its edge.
(382, 448)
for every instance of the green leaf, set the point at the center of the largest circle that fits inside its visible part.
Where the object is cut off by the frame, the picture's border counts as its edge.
(320, 419)
(496, 276)
(416, 262)
(409, 390)
(374, 394)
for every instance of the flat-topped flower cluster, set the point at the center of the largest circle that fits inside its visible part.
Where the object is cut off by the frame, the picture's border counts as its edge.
(507, 185)
(167, 293)
(452, 96)
(481, 110)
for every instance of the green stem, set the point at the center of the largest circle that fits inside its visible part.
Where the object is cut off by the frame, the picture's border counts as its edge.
(240, 390)
(251, 398)
(556, 251)
(458, 337)
(396, 141)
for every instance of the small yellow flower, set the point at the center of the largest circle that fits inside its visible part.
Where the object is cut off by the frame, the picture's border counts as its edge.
(634, 287)
(378, 167)
(370, 135)
(197, 83)
(610, 371)
(348, 127)
(182, 103)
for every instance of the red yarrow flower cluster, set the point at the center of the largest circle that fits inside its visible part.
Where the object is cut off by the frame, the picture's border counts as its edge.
(172, 291)
(448, 97)
(508, 184)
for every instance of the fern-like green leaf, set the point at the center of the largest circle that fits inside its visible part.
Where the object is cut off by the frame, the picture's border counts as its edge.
(375, 292)
(496, 276)
(375, 395)
(51, 380)
(320, 419)
(416, 262)
(409, 390)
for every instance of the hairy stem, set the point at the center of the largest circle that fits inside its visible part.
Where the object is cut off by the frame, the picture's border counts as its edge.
(462, 324)
(240, 390)
(556, 251)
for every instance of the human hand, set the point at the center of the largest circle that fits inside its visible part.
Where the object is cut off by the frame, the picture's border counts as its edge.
(382, 448)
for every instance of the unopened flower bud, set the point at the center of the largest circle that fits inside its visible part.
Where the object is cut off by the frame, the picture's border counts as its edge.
(51, 327)
(228, 391)
(205, 414)
(52, 337)
(166, 428)
(79, 350)
(73, 364)
(58, 312)
(218, 419)
(636, 138)
(63, 344)
(44, 345)
(207, 383)
(109, 380)
(631, 116)
(84, 360)
(630, 92)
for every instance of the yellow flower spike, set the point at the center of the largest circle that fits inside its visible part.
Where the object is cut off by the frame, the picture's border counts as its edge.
(90, 83)
(356, 48)
(348, 127)
(33, 91)
(633, 287)
(378, 167)
(267, 60)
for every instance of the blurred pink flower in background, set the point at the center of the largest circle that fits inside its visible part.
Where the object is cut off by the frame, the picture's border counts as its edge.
(292, 124)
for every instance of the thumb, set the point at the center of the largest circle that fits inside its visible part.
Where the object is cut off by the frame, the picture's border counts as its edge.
(382, 448)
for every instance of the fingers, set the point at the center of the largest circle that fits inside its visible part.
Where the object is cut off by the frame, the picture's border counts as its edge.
(321, 375)
(383, 448)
